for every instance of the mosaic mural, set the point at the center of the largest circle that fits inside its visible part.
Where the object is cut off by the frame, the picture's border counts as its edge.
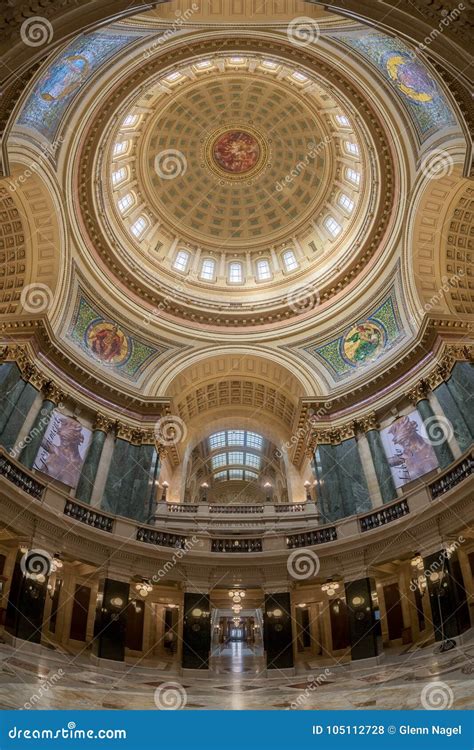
(59, 84)
(108, 343)
(363, 342)
(409, 452)
(410, 78)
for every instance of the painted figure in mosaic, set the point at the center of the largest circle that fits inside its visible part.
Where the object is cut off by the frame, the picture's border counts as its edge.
(363, 342)
(411, 78)
(75, 70)
(107, 342)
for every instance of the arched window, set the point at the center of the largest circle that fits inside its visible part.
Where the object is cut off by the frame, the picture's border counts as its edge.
(289, 260)
(126, 202)
(342, 120)
(139, 226)
(263, 270)
(351, 148)
(120, 148)
(119, 175)
(346, 203)
(181, 261)
(236, 272)
(332, 226)
(130, 121)
(208, 269)
(352, 176)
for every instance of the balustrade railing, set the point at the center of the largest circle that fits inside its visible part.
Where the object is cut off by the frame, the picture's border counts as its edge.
(384, 515)
(160, 538)
(290, 508)
(235, 508)
(20, 479)
(236, 545)
(88, 516)
(182, 508)
(452, 477)
(310, 538)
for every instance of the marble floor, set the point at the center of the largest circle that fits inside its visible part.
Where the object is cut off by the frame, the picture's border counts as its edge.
(53, 679)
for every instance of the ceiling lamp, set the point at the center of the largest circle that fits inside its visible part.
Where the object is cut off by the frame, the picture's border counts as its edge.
(237, 595)
(330, 587)
(144, 588)
(417, 562)
(236, 608)
(56, 563)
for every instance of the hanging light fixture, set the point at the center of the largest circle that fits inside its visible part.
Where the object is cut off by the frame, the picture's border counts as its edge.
(236, 595)
(330, 587)
(143, 588)
(417, 562)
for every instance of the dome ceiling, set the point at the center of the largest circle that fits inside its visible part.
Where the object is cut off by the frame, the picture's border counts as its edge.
(237, 176)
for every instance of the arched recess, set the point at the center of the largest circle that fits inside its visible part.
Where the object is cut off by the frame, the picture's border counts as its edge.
(34, 243)
(440, 247)
(231, 391)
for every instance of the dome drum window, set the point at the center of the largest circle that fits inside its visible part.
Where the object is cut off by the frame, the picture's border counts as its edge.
(208, 270)
(264, 272)
(332, 226)
(120, 148)
(139, 226)
(236, 273)
(289, 260)
(181, 262)
(346, 203)
(126, 202)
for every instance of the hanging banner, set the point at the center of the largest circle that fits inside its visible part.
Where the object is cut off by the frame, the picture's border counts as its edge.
(409, 451)
(63, 449)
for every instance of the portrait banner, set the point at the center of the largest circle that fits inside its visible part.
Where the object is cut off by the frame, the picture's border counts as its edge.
(63, 449)
(408, 449)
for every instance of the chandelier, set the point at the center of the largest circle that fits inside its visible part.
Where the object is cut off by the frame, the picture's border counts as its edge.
(143, 588)
(330, 587)
(237, 595)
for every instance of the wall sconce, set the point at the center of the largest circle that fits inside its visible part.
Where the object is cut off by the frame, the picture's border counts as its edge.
(117, 601)
(144, 588)
(268, 488)
(165, 486)
(358, 601)
(308, 493)
(204, 488)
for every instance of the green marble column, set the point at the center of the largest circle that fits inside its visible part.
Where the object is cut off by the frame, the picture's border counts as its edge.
(11, 389)
(442, 450)
(382, 468)
(115, 478)
(452, 412)
(36, 434)
(461, 387)
(8, 370)
(332, 493)
(352, 481)
(90, 466)
(138, 506)
(22, 397)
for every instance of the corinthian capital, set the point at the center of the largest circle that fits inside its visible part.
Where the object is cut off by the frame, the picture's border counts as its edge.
(418, 392)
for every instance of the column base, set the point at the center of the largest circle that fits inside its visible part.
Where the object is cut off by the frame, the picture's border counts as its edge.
(15, 643)
(371, 661)
(111, 663)
(205, 673)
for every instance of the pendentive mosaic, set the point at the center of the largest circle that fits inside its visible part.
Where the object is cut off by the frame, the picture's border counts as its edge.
(363, 342)
(409, 77)
(108, 343)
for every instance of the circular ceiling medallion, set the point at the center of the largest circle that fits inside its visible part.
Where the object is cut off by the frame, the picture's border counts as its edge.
(236, 153)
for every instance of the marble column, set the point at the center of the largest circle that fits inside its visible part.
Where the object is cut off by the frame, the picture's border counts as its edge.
(461, 387)
(382, 468)
(278, 631)
(196, 631)
(365, 643)
(111, 620)
(91, 464)
(352, 481)
(15, 409)
(26, 601)
(330, 491)
(455, 416)
(435, 430)
(52, 398)
(117, 473)
(449, 609)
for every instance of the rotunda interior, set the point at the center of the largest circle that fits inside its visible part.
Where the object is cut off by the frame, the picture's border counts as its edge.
(236, 352)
